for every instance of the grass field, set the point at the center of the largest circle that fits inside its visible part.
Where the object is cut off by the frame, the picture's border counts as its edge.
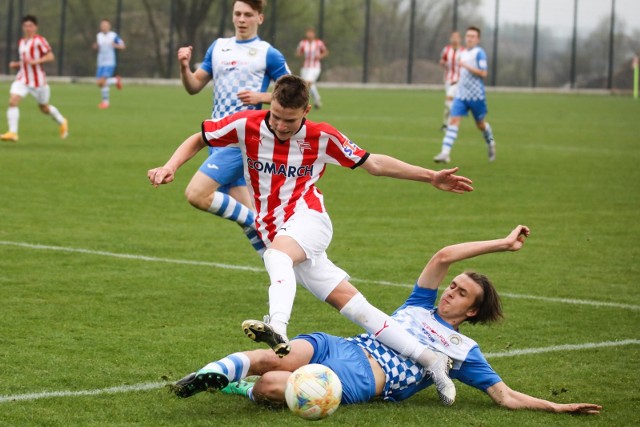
(85, 321)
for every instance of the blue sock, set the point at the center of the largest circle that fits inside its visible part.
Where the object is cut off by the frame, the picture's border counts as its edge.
(449, 138)
(227, 207)
(105, 93)
(487, 133)
(235, 366)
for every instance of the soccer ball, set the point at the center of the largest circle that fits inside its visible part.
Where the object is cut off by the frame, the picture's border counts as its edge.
(313, 392)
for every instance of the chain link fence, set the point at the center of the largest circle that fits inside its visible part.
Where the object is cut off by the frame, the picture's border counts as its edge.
(530, 43)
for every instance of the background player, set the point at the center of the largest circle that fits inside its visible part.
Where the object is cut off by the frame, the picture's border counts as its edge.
(107, 42)
(285, 156)
(34, 50)
(449, 60)
(313, 50)
(241, 68)
(368, 369)
(470, 96)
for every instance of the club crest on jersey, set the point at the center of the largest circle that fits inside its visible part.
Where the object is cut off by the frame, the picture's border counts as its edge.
(253, 51)
(455, 339)
(349, 148)
(303, 145)
(280, 169)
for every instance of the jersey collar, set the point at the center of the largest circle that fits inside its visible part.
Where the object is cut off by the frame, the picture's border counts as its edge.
(441, 320)
(266, 120)
(246, 41)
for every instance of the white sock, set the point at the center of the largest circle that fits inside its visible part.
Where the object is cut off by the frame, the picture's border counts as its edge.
(13, 115)
(227, 207)
(105, 93)
(449, 138)
(53, 112)
(314, 92)
(487, 133)
(235, 366)
(386, 330)
(111, 81)
(282, 291)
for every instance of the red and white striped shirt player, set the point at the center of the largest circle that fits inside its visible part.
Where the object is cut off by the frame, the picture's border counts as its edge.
(282, 175)
(313, 50)
(450, 60)
(34, 50)
(30, 50)
(284, 156)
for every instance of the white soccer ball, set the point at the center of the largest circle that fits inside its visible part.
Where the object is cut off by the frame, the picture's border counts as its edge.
(313, 392)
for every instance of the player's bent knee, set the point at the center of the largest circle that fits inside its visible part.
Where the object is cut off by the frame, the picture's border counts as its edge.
(197, 199)
(44, 108)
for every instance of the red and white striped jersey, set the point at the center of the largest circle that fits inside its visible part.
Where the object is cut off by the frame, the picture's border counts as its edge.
(32, 49)
(451, 58)
(282, 174)
(311, 49)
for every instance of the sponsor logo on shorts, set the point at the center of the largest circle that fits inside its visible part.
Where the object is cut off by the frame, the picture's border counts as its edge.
(212, 166)
(280, 169)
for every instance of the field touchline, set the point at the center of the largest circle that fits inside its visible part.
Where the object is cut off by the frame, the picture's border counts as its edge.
(592, 303)
(156, 385)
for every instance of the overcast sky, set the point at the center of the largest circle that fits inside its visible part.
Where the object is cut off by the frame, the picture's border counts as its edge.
(558, 14)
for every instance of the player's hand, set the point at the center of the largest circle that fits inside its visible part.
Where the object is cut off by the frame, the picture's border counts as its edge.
(249, 98)
(579, 408)
(445, 180)
(14, 64)
(184, 55)
(515, 239)
(161, 175)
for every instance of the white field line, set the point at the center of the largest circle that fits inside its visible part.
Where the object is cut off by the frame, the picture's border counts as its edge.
(156, 385)
(257, 269)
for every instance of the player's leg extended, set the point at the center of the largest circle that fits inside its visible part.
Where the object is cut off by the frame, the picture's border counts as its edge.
(354, 306)
(42, 95)
(479, 113)
(204, 192)
(237, 366)
(300, 241)
(458, 110)
(13, 117)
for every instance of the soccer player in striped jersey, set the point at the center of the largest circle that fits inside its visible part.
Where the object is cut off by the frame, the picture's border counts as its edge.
(241, 68)
(34, 50)
(470, 96)
(313, 50)
(284, 155)
(107, 42)
(449, 60)
(368, 369)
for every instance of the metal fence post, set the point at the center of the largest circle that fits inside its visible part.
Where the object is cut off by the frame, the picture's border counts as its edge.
(494, 63)
(534, 59)
(7, 53)
(412, 23)
(574, 44)
(172, 28)
(321, 20)
(611, 44)
(455, 16)
(63, 22)
(365, 55)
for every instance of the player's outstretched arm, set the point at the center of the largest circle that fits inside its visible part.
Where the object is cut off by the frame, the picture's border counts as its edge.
(438, 266)
(505, 396)
(186, 150)
(445, 180)
(192, 82)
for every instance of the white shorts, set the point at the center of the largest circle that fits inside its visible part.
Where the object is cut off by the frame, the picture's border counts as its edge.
(451, 89)
(41, 94)
(310, 74)
(313, 232)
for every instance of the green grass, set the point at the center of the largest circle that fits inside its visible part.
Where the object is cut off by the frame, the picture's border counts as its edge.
(567, 167)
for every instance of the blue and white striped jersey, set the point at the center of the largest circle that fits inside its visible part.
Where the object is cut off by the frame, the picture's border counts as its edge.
(236, 65)
(418, 316)
(471, 86)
